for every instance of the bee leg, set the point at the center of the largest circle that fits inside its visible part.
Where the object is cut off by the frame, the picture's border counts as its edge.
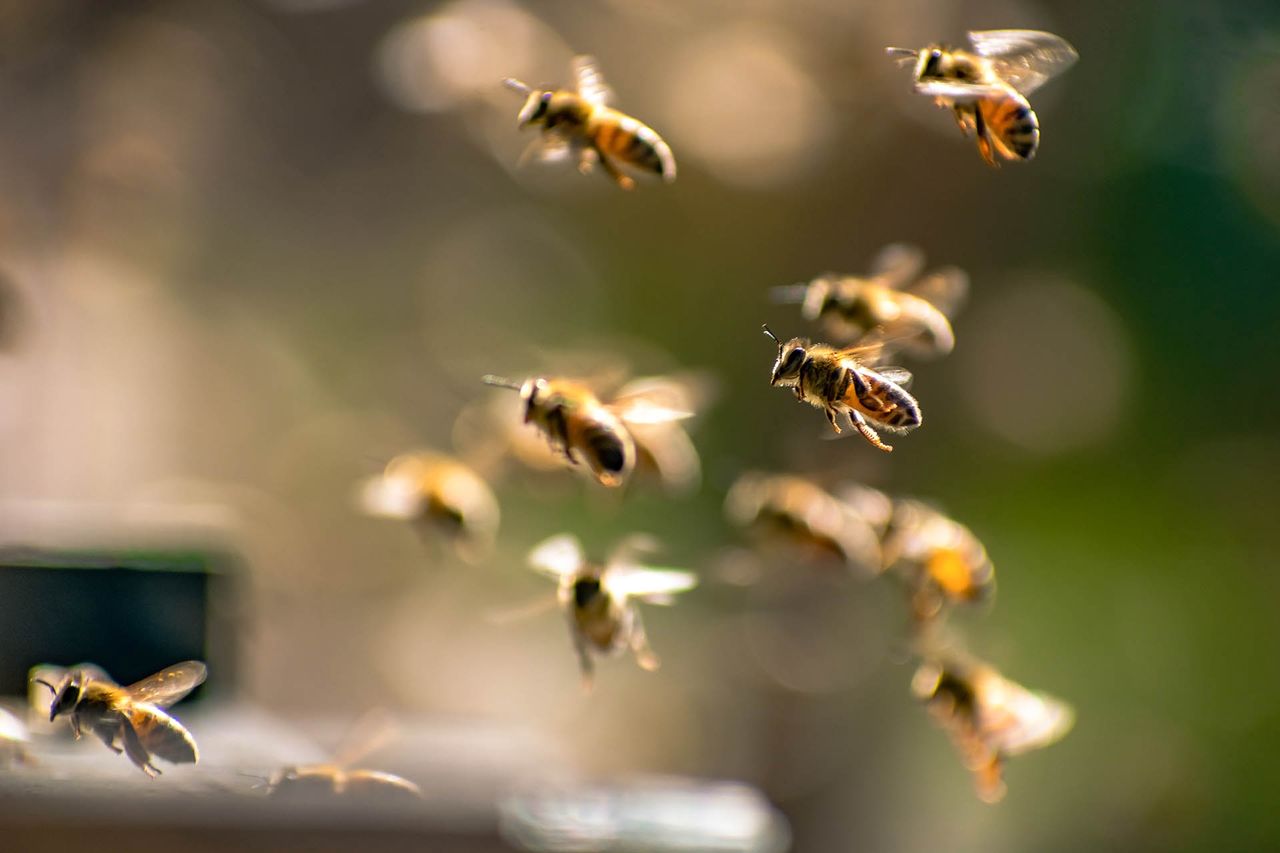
(585, 665)
(137, 752)
(587, 160)
(873, 438)
(831, 416)
(985, 147)
(108, 736)
(639, 642)
(622, 180)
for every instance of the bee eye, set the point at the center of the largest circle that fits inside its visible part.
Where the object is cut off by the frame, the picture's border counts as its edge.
(935, 54)
(794, 359)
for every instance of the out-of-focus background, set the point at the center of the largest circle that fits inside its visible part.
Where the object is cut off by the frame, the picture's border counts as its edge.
(251, 250)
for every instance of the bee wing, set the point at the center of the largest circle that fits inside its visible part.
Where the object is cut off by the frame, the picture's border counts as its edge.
(945, 289)
(590, 81)
(962, 92)
(169, 685)
(1026, 59)
(645, 409)
(371, 732)
(390, 497)
(897, 264)
(558, 556)
(1017, 720)
(899, 376)
(686, 391)
(648, 584)
(546, 148)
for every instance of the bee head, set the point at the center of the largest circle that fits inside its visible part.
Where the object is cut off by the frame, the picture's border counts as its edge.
(65, 696)
(535, 395)
(585, 589)
(933, 62)
(791, 355)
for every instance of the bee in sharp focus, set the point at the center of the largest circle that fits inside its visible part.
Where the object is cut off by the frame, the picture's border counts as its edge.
(987, 88)
(336, 779)
(913, 312)
(600, 598)
(582, 125)
(805, 515)
(840, 382)
(584, 429)
(132, 715)
(941, 560)
(988, 717)
(435, 490)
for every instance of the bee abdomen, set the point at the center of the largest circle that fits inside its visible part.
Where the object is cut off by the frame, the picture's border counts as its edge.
(638, 145)
(164, 736)
(1014, 124)
(609, 452)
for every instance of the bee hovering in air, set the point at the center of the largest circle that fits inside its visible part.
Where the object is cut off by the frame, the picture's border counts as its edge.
(913, 312)
(600, 599)
(582, 125)
(940, 560)
(440, 492)
(988, 717)
(806, 516)
(336, 779)
(132, 715)
(987, 88)
(840, 382)
(584, 429)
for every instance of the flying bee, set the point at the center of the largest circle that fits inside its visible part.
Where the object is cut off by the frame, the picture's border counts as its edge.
(987, 88)
(913, 312)
(438, 491)
(582, 125)
(336, 779)
(802, 513)
(133, 715)
(600, 599)
(988, 717)
(839, 382)
(939, 558)
(584, 429)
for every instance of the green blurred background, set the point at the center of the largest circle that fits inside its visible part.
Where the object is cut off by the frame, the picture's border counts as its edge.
(250, 249)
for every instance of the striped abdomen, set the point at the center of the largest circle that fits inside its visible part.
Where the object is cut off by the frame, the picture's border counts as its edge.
(629, 141)
(884, 402)
(162, 735)
(1013, 126)
(605, 444)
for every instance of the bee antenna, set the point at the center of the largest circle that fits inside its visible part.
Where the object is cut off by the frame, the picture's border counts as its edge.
(899, 51)
(516, 85)
(45, 683)
(499, 382)
(770, 333)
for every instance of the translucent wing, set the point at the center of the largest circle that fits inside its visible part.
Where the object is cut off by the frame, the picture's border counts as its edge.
(1014, 720)
(590, 81)
(546, 148)
(1026, 59)
(687, 391)
(374, 730)
(558, 556)
(390, 497)
(959, 91)
(945, 289)
(169, 685)
(899, 376)
(650, 585)
(644, 409)
(897, 264)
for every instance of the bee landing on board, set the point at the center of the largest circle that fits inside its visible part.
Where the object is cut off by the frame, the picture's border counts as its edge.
(988, 717)
(132, 715)
(335, 779)
(584, 429)
(842, 385)
(440, 492)
(600, 599)
(913, 312)
(987, 88)
(581, 124)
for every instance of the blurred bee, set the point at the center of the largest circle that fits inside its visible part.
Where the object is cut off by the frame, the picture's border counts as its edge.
(988, 717)
(583, 429)
(912, 311)
(802, 513)
(440, 492)
(335, 779)
(987, 88)
(664, 448)
(940, 559)
(581, 124)
(133, 715)
(14, 740)
(842, 385)
(599, 599)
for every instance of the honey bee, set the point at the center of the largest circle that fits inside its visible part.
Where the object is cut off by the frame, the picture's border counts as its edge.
(438, 491)
(335, 779)
(988, 717)
(133, 715)
(582, 428)
(581, 124)
(599, 599)
(939, 558)
(806, 515)
(838, 382)
(987, 88)
(913, 312)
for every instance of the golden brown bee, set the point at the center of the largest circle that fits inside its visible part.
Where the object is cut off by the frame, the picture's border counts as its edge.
(582, 125)
(805, 515)
(583, 429)
(599, 599)
(438, 491)
(988, 717)
(939, 558)
(14, 740)
(913, 312)
(842, 385)
(133, 715)
(336, 779)
(987, 88)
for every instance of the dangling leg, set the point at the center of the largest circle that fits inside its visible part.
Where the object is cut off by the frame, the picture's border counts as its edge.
(985, 147)
(136, 751)
(831, 416)
(587, 158)
(585, 664)
(624, 181)
(639, 643)
(108, 736)
(861, 425)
